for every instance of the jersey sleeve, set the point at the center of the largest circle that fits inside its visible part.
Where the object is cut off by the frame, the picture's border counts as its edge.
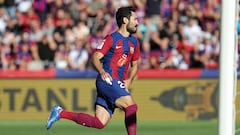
(136, 54)
(105, 45)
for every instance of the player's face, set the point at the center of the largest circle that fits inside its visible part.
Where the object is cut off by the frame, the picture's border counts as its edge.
(132, 24)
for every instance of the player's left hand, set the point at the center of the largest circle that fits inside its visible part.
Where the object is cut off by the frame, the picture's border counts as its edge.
(127, 83)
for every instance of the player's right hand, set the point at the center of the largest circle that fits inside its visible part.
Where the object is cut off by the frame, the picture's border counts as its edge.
(106, 75)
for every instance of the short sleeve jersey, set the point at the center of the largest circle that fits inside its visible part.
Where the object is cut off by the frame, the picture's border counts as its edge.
(118, 52)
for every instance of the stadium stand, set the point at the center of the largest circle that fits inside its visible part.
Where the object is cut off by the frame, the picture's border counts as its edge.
(173, 34)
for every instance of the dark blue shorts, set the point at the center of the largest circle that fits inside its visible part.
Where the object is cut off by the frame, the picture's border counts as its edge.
(107, 94)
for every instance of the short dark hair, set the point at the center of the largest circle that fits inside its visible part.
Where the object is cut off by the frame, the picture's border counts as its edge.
(123, 12)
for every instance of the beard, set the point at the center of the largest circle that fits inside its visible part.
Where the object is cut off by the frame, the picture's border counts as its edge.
(131, 29)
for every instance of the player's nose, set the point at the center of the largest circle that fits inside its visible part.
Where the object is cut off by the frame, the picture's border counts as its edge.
(137, 22)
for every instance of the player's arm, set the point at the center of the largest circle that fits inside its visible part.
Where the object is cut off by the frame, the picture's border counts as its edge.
(134, 67)
(132, 73)
(97, 56)
(96, 60)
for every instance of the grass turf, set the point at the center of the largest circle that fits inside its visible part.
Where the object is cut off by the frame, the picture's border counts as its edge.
(65, 127)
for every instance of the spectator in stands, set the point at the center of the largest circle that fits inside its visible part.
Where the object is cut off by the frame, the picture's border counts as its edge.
(192, 32)
(26, 40)
(46, 48)
(158, 35)
(61, 18)
(140, 9)
(62, 22)
(81, 31)
(183, 22)
(74, 10)
(16, 25)
(48, 25)
(110, 26)
(78, 56)
(196, 56)
(10, 8)
(146, 29)
(145, 56)
(171, 27)
(8, 50)
(40, 7)
(153, 7)
(61, 57)
(180, 55)
(185, 50)
(216, 44)
(7, 57)
(179, 32)
(211, 13)
(210, 52)
(35, 30)
(24, 19)
(165, 9)
(23, 56)
(161, 58)
(23, 5)
(98, 21)
(94, 6)
(94, 40)
(55, 5)
(82, 11)
(4, 18)
(120, 3)
(69, 36)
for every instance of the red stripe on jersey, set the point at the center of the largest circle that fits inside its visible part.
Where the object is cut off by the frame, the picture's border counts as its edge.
(116, 59)
(105, 46)
(136, 54)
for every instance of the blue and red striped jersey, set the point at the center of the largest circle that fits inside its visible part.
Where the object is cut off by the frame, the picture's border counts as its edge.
(118, 52)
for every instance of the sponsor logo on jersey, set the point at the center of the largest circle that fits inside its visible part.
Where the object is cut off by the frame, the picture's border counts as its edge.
(122, 60)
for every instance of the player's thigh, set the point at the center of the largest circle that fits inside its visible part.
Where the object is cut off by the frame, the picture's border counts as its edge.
(124, 101)
(102, 114)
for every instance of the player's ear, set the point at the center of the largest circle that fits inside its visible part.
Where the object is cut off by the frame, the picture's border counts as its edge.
(125, 20)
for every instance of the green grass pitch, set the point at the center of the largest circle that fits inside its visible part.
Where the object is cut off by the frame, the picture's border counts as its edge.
(65, 127)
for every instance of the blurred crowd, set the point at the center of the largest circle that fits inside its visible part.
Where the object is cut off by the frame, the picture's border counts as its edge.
(62, 34)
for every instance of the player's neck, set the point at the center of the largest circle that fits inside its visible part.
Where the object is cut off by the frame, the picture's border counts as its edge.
(123, 32)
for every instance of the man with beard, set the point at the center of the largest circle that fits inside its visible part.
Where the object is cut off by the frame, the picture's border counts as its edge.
(116, 60)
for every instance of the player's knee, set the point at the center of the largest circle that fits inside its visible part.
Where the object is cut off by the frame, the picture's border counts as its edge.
(124, 102)
(135, 107)
(132, 108)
